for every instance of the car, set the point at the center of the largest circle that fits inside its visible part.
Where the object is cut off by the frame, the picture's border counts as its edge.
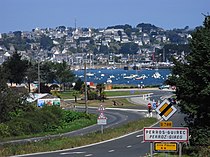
(164, 87)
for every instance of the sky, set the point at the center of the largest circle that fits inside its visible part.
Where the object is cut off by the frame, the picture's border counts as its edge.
(25, 15)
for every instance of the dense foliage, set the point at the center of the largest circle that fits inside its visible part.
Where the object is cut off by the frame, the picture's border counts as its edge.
(19, 118)
(191, 76)
(15, 68)
(18, 70)
(11, 101)
(39, 120)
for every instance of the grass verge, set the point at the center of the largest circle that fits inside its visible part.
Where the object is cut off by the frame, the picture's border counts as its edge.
(120, 103)
(124, 93)
(64, 143)
(75, 125)
(168, 155)
(69, 94)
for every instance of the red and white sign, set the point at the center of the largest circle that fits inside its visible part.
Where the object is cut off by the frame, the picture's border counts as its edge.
(149, 105)
(102, 119)
(179, 134)
(101, 108)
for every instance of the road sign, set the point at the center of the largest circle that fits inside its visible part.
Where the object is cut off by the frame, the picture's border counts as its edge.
(179, 134)
(165, 147)
(166, 124)
(102, 121)
(101, 108)
(101, 116)
(166, 110)
(154, 105)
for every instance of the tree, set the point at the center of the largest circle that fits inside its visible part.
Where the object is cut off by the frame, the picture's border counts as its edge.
(46, 43)
(63, 73)
(10, 101)
(31, 74)
(129, 48)
(100, 87)
(15, 68)
(191, 76)
(76, 94)
(78, 84)
(47, 72)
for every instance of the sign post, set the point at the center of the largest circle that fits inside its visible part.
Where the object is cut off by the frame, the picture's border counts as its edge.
(180, 149)
(102, 119)
(149, 110)
(151, 149)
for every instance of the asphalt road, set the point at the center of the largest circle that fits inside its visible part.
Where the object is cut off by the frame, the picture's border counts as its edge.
(131, 145)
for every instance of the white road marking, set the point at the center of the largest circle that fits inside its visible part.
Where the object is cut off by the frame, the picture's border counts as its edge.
(139, 136)
(89, 155)
(110, 151)
(129, 146)
(72, 153)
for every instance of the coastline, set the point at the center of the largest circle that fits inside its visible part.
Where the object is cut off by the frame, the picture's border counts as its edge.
(121, 66)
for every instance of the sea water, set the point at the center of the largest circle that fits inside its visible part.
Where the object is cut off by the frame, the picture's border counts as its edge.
(120, 76)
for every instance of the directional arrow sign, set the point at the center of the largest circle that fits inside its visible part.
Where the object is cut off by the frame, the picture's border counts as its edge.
(166, 110)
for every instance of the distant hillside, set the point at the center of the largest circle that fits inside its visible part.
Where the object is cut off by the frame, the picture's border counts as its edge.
(146, 27)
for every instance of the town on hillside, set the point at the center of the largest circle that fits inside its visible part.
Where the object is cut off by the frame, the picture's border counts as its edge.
(145, 45)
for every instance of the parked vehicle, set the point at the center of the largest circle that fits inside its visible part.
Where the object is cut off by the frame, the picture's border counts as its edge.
(164, 87)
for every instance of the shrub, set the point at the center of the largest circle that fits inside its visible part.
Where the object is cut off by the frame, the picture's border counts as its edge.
(70, 116)
(92, 95)
(17, 127)
(45, 119)
(56, 110)
(55, 93)
(4, 130)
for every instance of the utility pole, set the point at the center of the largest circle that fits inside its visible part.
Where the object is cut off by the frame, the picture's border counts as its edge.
(38, 77)
(85, 77)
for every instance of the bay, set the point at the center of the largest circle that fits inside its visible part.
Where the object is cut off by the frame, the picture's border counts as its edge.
(144, 77)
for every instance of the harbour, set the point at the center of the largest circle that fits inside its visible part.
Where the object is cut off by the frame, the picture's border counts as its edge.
(142, 77)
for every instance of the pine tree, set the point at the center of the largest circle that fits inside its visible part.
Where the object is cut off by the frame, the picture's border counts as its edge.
(15, 68)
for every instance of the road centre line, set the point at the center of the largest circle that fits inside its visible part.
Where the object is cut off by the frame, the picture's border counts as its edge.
(85, 146)
(72, 153)
(89, 155)
(110, 151)
(129, 146)
(119, 109)
(139, 135)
